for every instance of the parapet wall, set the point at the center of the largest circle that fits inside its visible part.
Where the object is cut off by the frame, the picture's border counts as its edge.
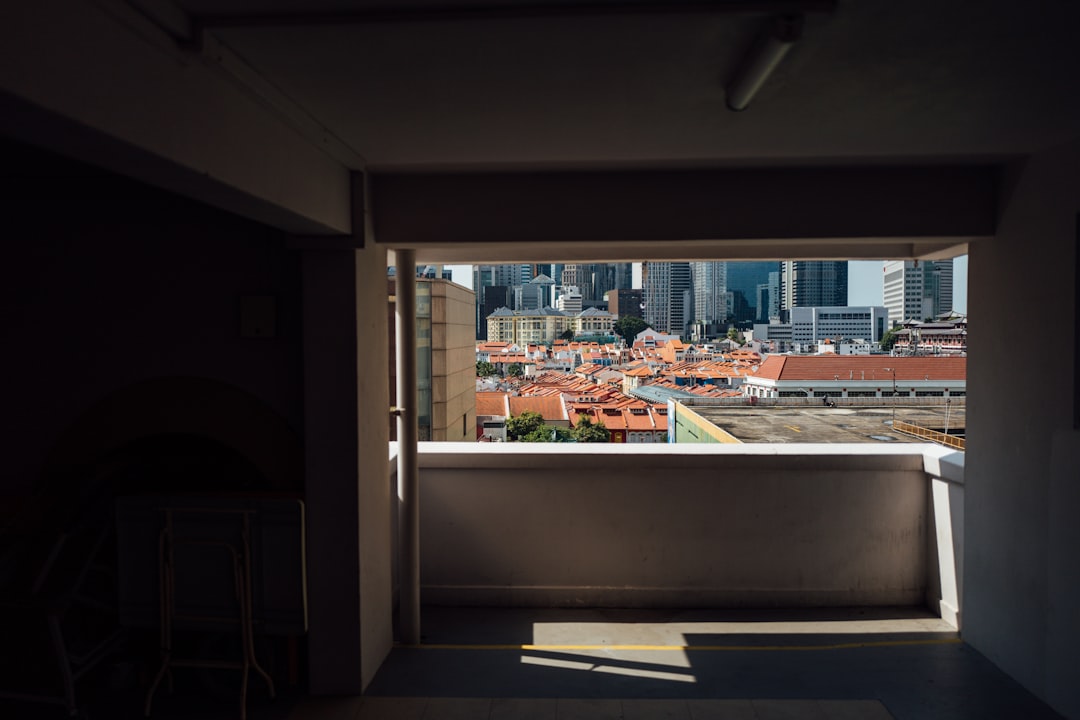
(718, 526)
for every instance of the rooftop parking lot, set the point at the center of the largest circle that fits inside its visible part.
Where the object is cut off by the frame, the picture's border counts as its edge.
(820, 424)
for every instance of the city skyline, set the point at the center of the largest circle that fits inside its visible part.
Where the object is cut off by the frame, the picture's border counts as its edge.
(865, 284)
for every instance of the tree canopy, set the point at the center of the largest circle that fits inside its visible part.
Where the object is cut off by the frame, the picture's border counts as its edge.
(628, 327)
(484, 369)
(588, 432)
(519, 426)
(548, 434)
(888, 339)
(515, 370)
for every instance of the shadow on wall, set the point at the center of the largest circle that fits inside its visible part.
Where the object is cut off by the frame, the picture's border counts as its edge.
(172, 434)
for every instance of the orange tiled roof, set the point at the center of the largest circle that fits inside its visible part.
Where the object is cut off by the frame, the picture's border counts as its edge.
(491, 403)
(589, 369)
(509, 358)
(635, 416)
(550, 407)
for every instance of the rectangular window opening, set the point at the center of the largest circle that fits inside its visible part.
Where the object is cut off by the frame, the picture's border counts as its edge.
(546, 335)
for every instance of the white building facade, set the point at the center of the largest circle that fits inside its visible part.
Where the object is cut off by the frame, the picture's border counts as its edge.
(570, 299)
(812, 325)
(917, 291)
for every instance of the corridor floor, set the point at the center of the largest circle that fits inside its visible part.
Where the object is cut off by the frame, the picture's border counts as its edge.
(567, 664)
(593, 664)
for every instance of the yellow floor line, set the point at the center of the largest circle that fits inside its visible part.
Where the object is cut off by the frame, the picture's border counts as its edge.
(690, 648)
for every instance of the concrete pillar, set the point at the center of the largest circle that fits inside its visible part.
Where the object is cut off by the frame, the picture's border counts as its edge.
(372, 371)
(1021, 500)
(347, 483)
(407, 433)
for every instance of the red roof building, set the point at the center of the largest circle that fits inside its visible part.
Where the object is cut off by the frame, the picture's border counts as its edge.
(857, 376)
(631, 422)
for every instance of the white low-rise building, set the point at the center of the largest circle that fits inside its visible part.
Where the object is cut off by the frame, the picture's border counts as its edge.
(812, 325)
(852, 376)
(651, 338)
(848, 347)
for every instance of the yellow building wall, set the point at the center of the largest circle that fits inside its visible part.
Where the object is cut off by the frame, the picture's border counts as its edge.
(453, 362)
(692, 428)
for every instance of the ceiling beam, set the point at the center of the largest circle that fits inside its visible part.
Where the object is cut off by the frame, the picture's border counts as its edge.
(732, 213)
(525, 11)
(754, 249)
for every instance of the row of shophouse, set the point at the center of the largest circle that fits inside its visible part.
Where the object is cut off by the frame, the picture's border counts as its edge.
(628, 389)
(563, 400)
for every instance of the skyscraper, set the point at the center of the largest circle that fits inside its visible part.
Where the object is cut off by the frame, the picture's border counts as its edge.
(668, 296)
(594, 280)
(710, 292)
(915, 290)
(624, 302)
(535, 294)
(813, 283)
(508, 275)
(579, 276)
(745, 277)
(768, 299)
(603, 277)
(484, 277)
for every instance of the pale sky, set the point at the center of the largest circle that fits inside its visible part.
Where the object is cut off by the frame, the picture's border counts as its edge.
(864, 281)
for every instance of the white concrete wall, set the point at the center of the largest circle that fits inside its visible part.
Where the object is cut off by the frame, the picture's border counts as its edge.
(945, 577)
(650, 525)
(374, 499)
(1022, 580)
(348, 498)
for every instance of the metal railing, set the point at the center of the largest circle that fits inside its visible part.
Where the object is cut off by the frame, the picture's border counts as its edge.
(884, 401)
(927, 434)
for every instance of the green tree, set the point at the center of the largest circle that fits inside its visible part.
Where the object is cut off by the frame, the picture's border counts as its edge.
(734, 335)
(587, 432)
(519, 426)
(515, 370)
(484, 369)
(888, 339)
(628, 327)
(567, 334)
(541, 434)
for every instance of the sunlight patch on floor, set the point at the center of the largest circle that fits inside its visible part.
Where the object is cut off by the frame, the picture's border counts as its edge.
(626, 666)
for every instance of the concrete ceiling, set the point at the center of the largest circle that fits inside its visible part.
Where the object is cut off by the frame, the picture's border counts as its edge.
(604, 85)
